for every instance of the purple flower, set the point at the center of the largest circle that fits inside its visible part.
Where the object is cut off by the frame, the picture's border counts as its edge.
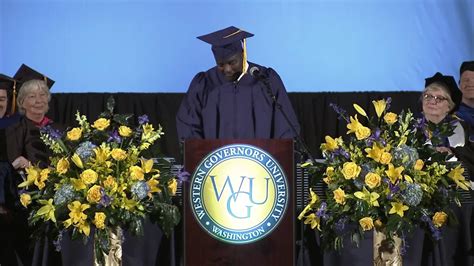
(340, 225)
(143, 120)
(321, 212)
(376, 137)
(388, 102)
(344, 153)
(105, 200)
(183, 175)
(114, 136)
(435, 232)
(394, 188)
(51, 132)
(340, 111)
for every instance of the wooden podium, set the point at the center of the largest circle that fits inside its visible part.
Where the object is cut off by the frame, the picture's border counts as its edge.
(277, 247)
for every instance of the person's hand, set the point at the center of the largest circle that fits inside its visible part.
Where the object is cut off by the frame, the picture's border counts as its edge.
(444, 149)
(21, 162)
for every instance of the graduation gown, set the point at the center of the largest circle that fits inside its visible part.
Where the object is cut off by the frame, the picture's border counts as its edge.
(216, 108)
(23, 139)
(6, 121)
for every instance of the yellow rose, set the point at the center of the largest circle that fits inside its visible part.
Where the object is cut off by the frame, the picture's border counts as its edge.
(62, 166)
(94, 194)
(390, 118)
(89, 176)
(136, 173)
(125, 131)
(25, 199)
(372, 180)
(101, 124)
(339, 196)
(350, 170)
(385, 158)
(173, 186)
(74, 134)
(439, 219)
(366, 223)
(362, 133)
(99, 220)
(110, 183)
(119, 154)
(418, 165)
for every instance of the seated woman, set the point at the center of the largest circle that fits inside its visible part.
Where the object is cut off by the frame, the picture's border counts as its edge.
(440, 99)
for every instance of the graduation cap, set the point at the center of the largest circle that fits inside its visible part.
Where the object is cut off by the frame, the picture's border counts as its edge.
(465, 66)
(450, 83)
(227, 42)
(26, 73)
(9, 84)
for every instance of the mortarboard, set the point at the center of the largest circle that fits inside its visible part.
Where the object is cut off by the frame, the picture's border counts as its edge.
(9, 84)
(26, 73)
(467, 65)
(226, 42)
(449, 82)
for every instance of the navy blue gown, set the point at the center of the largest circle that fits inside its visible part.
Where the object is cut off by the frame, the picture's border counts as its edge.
(216, 108)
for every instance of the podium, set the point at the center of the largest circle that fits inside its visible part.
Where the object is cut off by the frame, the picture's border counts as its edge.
(239, 204)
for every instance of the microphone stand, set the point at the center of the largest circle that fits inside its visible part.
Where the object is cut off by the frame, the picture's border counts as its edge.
(300, 142)
(298, 138)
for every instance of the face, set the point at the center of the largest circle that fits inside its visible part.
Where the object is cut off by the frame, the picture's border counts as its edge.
(3, 102)
(435, 104)
(231, 67)
(467, 84)
(36, 102)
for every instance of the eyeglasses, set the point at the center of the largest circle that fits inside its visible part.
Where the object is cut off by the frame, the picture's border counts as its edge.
(437, 99)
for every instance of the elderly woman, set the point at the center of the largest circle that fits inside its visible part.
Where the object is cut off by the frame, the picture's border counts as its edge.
(25, 147)
(440, 99)
(24, 144)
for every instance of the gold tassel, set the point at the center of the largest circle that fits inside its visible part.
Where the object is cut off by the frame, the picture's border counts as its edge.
(13, 109)
(244, 56)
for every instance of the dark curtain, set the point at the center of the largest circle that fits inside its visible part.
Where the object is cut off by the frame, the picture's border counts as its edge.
(316, 117)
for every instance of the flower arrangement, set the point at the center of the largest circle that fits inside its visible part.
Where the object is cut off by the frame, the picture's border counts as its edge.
(98, 178)
(386, 176)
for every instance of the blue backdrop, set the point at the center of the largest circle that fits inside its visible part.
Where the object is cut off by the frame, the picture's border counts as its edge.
(315, 45)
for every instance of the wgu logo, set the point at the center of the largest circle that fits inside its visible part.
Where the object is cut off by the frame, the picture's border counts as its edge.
(239, 193)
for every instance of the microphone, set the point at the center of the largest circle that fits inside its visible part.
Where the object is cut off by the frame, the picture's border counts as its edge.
(255, 72)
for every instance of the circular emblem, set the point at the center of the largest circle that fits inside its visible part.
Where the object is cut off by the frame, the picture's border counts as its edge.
(239, 193)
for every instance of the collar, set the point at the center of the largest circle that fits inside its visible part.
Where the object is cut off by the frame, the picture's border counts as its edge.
(44, 122)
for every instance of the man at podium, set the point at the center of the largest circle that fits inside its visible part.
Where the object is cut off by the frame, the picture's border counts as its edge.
(235, 99)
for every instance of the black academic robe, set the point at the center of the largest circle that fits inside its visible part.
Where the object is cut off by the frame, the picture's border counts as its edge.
(23, 139)
(216, 108)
